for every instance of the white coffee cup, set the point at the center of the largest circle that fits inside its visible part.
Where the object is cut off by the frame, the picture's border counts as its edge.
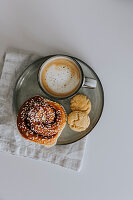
(57, 86)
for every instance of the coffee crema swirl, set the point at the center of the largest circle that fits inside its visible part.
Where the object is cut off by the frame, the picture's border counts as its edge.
(60, 77)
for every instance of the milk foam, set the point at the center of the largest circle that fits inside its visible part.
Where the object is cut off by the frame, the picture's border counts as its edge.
(61, 79)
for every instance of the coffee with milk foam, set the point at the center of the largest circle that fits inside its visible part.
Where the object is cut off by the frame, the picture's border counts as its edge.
(61, 77)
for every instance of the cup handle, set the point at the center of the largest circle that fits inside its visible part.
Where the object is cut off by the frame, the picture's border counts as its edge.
(89, 82)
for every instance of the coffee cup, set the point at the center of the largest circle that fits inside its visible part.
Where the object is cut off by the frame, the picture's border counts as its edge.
(62, 76)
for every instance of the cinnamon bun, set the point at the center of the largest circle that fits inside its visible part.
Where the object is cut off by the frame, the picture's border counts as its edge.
(41, 120)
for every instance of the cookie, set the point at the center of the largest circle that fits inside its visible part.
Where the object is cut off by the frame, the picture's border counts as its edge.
(78, 121)
(80, 103)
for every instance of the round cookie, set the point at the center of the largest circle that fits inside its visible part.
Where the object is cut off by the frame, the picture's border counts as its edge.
(81, 103)
(78, 121)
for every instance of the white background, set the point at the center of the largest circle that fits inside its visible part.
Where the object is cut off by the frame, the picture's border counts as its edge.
(101, 33)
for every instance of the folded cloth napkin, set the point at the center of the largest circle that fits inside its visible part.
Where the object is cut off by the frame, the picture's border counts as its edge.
(69, 156)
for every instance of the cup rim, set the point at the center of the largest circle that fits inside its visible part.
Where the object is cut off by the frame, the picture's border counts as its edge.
(73, 60)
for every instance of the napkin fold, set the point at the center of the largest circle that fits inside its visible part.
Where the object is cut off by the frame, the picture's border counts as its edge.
(68, 156)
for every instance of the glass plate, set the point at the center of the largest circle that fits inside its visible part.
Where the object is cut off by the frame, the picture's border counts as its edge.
(27, 86)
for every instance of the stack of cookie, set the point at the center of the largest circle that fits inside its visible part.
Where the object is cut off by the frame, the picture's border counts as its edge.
(78, 119)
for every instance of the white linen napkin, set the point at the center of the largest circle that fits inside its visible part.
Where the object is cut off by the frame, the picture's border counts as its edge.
(69, 156)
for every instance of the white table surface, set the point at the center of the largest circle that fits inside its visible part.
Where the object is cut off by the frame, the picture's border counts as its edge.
(101, 33)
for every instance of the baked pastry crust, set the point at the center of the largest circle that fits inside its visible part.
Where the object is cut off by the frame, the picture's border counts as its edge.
(80, 103)
(78, 121)
(41, 120)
